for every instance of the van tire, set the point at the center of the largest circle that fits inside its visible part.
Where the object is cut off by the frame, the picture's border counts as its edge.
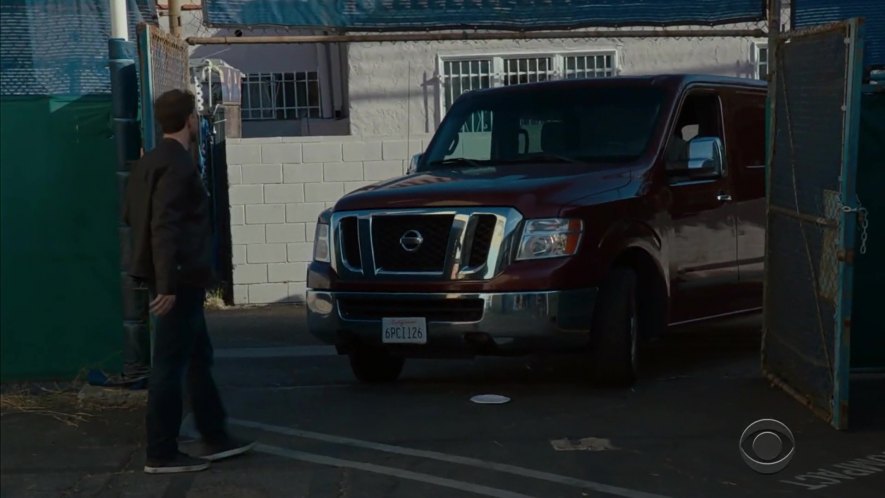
(615, 330)
(375, 365)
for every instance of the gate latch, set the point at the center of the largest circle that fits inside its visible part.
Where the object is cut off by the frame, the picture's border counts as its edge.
(863, 219)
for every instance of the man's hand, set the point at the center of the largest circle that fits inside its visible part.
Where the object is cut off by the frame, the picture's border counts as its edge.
(162, 304)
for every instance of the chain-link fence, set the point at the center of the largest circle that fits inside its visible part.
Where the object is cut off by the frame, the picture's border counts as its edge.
(163, 66)
(805, 261)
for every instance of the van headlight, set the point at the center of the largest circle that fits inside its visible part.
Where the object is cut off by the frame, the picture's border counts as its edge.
(321, 251)
(550, 238)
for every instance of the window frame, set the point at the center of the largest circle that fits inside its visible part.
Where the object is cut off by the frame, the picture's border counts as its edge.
(757, 47)
(497, 58)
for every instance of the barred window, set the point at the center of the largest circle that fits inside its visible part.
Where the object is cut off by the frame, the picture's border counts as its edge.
(281, 96)
(463, 74)
(589, 66)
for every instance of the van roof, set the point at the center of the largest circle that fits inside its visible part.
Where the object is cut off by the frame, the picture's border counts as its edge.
(668, 81)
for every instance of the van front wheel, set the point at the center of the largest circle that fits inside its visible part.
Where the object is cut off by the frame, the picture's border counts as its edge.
(615, 329)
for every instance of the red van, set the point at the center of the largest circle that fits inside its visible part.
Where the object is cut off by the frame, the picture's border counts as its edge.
(569, 214)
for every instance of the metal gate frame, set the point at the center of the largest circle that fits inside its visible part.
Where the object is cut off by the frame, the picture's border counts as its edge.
(844, 214)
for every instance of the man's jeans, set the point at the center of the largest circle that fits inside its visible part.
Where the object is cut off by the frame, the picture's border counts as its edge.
(182, 351)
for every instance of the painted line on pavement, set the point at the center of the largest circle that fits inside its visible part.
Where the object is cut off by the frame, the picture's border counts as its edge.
(389, 471)
(281, 352)
(444, 457)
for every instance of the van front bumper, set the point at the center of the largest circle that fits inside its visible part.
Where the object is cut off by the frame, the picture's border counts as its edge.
(482, 323)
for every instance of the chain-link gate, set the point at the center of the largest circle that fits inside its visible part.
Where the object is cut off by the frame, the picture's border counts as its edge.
(163, 66)
(812, 210)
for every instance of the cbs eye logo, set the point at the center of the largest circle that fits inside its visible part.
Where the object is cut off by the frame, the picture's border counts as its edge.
(767, 446)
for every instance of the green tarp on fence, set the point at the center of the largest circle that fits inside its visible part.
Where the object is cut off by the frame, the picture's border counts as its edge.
(61, 305)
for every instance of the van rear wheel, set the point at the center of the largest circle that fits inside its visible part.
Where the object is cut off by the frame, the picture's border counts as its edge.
(375, 365)
(615, 330)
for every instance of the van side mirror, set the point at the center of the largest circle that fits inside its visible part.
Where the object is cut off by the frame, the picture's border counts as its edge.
(413, 163)
(704, 158)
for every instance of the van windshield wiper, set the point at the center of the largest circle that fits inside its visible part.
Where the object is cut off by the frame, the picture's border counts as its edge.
(455, 161)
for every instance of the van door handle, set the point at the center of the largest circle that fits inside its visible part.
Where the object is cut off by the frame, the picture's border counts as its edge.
(723, 198)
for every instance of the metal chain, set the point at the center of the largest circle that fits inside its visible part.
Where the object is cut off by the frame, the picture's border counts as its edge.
(863, 219)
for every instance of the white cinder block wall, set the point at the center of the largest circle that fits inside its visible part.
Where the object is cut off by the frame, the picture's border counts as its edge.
(278, 187)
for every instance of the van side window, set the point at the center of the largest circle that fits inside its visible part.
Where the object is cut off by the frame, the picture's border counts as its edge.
(700, 117)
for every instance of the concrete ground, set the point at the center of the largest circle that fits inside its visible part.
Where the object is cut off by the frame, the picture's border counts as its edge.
(322, 434)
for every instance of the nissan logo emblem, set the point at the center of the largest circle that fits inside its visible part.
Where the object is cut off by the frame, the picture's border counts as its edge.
(411, 241)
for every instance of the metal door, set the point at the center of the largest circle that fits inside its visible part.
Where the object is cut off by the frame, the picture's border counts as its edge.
(812, 209)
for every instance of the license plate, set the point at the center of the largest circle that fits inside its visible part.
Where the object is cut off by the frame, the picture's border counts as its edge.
(404, 330)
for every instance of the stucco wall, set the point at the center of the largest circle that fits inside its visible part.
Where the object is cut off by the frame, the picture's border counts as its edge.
(394, 87)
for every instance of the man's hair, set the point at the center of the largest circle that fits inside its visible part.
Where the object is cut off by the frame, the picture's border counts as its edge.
(172, 110)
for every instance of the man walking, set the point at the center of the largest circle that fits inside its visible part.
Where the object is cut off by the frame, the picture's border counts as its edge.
(167, 208)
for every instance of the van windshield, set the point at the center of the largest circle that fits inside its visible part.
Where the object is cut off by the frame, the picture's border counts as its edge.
(548, 124)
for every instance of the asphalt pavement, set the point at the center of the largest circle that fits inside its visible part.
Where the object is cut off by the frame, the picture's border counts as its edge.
(323, 434)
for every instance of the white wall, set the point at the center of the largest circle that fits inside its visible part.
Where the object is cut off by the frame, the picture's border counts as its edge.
(278, 187)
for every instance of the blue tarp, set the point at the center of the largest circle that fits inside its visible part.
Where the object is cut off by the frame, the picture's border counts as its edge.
(59, 47)
(807, 13)
(505, 14)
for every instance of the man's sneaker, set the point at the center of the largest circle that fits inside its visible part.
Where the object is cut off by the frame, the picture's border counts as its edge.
(227, 448)
(176, 465)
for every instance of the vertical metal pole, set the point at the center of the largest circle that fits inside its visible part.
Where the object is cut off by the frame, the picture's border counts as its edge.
(119, 21)
(774, 16)
(847, 226)
(175, 18)
(124, 98)
(774, 29)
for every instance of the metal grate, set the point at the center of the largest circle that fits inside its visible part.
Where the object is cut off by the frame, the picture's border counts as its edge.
(523, 70)
(281, 96)
(481, 244)
(392, 257)
(588, 66)
(462, 76)
(350, 242)
(435, 310)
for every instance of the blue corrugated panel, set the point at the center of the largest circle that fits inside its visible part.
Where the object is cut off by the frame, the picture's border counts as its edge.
(808, 13)
(59, 47)
(436, 14)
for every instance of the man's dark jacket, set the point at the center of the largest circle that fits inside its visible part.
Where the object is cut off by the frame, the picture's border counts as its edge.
(168, 210)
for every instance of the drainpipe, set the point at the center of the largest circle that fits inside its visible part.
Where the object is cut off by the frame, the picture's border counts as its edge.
(124, 102)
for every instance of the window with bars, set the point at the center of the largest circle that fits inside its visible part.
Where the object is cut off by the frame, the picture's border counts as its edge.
(761, 61)
(280, 96)
(461, 75)
(588, 66)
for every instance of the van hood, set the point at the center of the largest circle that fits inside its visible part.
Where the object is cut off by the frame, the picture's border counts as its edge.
(536, 190)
